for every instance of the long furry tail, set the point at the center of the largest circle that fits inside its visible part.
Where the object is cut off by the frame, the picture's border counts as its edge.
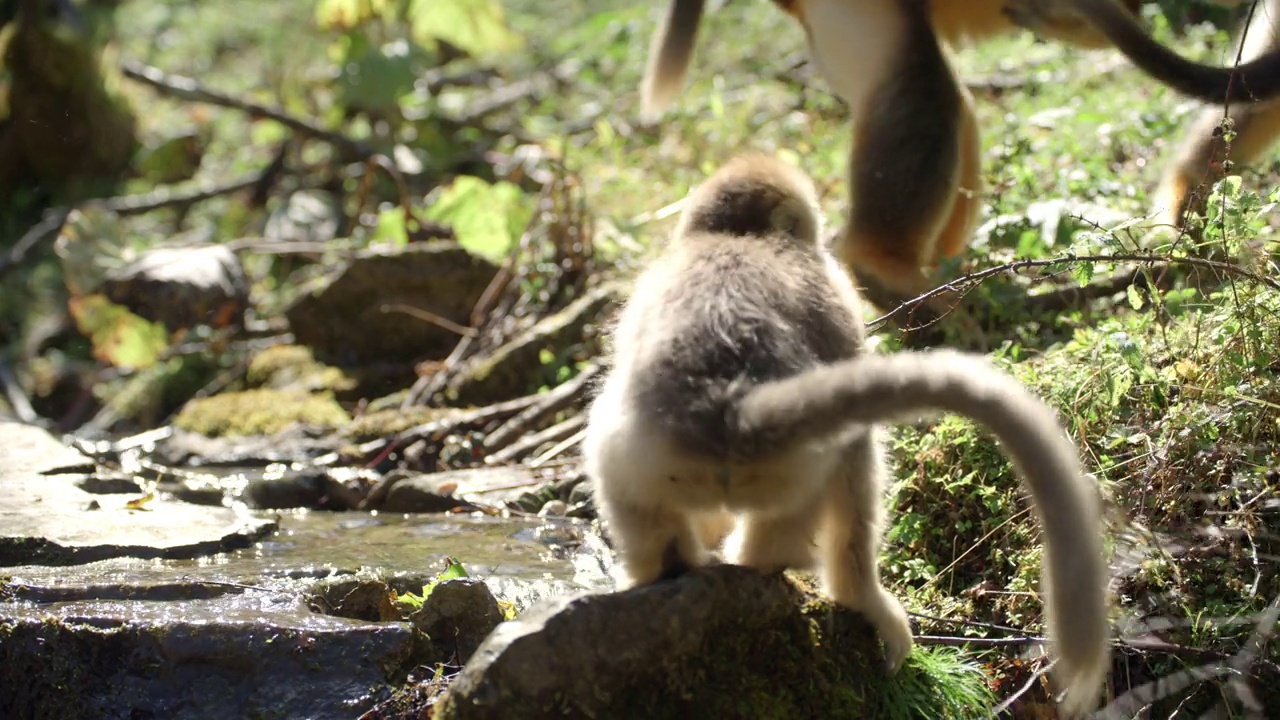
(669, 54)
(907, 385)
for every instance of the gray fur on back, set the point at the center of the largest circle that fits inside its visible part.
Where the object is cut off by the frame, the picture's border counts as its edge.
(743, 295)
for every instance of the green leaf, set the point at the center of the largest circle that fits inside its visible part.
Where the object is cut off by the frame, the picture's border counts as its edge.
(118, 336)
(1082, 272)
(476, 26)
(373, 77)
(487, 219)
(347, 14)
(1135, 298)
(391, 227)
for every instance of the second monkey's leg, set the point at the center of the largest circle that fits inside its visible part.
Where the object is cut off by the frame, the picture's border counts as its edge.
(906, 166)
(1199, 160)
(955, 235)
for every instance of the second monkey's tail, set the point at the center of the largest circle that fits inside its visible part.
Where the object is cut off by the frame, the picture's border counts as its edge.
(904, 386)
(669, 54)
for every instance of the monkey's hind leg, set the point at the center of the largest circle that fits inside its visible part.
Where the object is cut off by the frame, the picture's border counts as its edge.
(1203, 150)
(850, 545)
(1200, 160)
(958, 230)
(652, 543)
(776, 540)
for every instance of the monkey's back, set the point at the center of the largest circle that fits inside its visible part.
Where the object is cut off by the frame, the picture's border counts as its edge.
(731, 312)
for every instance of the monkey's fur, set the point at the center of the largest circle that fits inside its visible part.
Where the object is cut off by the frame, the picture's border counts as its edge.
(740, 387)
(915, 164)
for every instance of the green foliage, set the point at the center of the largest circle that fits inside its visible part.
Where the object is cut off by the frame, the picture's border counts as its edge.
(476, 26)
(119, 337)
(937, 682)
(409, 602)
(487, 218)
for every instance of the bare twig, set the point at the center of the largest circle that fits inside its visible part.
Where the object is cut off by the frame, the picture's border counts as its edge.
(470, 417)
(1026, 687)
(529, 443)
(41, 231)
(187, 88)
(552, 401)
(428, 316)
(966, 282)
(980, 641)
(554, 451)
(163, 197)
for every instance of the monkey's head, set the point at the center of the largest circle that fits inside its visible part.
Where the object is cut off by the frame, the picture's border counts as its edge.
(754, 194)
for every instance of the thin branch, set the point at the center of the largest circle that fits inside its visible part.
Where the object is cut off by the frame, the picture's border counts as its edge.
(529, 443)
(186, 88)
(163, 197)
(428, 316)
(47, 228)
(552, 401)
(981, 642)
(966, 282)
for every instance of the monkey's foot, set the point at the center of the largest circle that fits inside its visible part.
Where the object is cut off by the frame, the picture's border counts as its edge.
(890, 621)
(888, 617)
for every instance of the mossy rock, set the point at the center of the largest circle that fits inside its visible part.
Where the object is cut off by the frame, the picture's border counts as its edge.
(722, 642)
(294, 367)
(259, 412)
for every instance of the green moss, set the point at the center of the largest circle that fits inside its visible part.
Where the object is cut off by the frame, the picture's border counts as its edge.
(386, 423)
(294, 367)
(258, 412)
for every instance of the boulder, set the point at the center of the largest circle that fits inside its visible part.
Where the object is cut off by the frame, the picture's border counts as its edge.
(722, 642)
(362, 314)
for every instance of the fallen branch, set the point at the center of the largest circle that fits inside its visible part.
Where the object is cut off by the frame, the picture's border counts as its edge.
(554, 400)
(529, 443)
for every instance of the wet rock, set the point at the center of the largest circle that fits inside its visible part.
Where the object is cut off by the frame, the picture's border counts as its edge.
(721, 642)
(124, 667)
(109, 485)
(295, 443)
(45, 518)
(359, 597)
(504, 374)
(457, 616)
(273, 488)
(182, 286)
(300, 489)
(360, 315)
(444, 491)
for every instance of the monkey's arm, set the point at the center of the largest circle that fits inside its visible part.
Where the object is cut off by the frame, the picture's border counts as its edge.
(1254, 81)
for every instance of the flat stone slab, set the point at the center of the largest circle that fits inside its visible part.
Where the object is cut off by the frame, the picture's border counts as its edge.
(47, 518)
(126, 664)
